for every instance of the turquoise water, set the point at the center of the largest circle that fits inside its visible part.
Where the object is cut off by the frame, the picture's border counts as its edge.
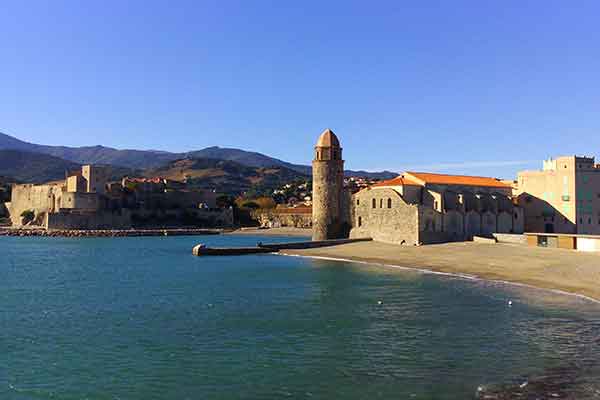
(141, 318)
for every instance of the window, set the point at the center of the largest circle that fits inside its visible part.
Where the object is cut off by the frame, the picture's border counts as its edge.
(359, 221)
(589, 221)
(380, 203)
(435, 204)
(516, 216)
(357, 202)
(581, 220)
(389, 203)
(374, 203)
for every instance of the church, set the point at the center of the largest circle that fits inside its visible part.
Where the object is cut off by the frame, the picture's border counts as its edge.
(412, 209)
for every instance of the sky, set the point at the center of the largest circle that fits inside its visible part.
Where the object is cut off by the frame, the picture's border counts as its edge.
(466, 87)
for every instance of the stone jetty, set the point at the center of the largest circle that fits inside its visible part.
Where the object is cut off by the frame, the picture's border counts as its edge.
(107, 232)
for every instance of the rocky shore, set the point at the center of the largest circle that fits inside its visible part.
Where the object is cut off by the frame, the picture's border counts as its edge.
(107, 232)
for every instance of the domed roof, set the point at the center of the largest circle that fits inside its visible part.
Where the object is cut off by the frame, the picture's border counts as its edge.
(328, 139)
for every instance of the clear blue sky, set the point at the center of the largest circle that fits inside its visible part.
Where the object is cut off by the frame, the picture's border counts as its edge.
(476, 87)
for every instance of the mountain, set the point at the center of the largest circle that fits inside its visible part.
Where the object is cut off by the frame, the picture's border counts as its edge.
(28, 167)
(226, 176)
(142, 159)
(33, 167)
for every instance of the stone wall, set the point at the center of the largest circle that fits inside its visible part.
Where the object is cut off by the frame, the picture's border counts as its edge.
(38, 198)
(275, 219)
(327, 189)
(80, 201)
(397, 224)
(88, 220)
(215, 218)
(510, 238)
(201, 217)
(505, 223)
(3, 210)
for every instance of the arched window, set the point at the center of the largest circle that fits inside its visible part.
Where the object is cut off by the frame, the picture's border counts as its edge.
(358, 202)
(359, 221)
(389, 203)
(374, 203)
(380, 203)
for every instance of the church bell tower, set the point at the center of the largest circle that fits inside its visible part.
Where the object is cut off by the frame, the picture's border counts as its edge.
(328, 182)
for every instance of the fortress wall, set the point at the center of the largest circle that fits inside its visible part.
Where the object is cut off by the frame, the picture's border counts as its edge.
(38, 198)
(85, 221)
(212, 218)
(81, 201)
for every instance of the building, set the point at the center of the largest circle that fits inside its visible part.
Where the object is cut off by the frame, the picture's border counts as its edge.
(420, 208)
(86, 200)
(328, 183)
(80, 192)
(564, 197)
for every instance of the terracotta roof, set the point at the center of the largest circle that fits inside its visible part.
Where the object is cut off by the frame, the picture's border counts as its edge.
(398, 181)
(293, 210)
(328, 139)
(466, 180)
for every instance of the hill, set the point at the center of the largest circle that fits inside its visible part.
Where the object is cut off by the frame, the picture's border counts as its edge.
(226, 176)
(29, 167)
(143, 159)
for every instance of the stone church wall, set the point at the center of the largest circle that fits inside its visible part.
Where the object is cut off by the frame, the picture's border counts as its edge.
(396, 224)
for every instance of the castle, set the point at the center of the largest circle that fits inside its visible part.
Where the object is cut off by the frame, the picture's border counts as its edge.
(87, 199)
(414, 208)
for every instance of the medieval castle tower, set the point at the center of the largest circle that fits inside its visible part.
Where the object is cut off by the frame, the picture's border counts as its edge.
(328, 182)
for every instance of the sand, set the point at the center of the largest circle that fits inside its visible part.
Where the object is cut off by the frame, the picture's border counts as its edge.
(557, 269)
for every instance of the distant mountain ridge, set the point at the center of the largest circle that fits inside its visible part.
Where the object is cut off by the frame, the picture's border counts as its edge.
(144, 159)
(30, 167)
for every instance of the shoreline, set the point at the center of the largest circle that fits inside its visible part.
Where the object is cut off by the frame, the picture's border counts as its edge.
(556, 270)
(285, 231)
(453, 275)
(80, 233)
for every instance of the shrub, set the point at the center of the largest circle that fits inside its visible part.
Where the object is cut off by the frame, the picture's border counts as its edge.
(28, 216)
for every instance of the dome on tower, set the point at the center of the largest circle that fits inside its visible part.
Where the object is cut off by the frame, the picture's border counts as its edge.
(328, 139)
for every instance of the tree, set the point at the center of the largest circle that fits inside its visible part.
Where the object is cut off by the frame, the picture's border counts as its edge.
(250, 204)
(28, 216)
(225, 201)
(265, 202)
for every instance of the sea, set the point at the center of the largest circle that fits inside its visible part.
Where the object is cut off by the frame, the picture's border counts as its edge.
(142, 318)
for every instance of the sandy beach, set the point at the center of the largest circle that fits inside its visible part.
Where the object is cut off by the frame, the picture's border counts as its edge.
(557, 269)
(285, 231)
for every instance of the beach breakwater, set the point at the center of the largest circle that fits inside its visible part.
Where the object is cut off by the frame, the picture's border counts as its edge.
(108, 232)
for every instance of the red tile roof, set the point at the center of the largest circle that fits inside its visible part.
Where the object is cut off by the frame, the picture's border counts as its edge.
(465, 180)
(397, 181)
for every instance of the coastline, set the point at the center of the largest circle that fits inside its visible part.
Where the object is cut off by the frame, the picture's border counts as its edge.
(561, 271)
(285, 231)
(74, 233)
